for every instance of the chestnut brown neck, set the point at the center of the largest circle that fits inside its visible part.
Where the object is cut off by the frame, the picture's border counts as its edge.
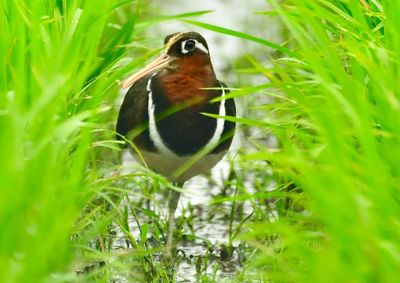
(186, 83)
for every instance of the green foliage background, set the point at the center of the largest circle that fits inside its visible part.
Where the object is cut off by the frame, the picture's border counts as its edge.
(335, 112)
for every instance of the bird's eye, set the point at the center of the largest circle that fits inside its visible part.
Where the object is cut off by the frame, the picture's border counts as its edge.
(190, 45)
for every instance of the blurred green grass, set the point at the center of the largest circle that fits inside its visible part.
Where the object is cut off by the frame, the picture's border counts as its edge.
(58, 84)
(338, 128)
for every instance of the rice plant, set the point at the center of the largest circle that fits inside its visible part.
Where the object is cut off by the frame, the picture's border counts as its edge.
(336, 118)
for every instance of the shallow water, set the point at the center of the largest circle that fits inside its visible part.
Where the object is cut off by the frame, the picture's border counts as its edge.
(210, 226)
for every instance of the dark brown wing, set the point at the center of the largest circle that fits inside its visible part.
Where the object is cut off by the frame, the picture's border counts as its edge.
(133, 117)
(133, 123)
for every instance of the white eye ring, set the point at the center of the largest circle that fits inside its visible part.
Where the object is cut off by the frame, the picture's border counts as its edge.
(198, 45)
(189, 45)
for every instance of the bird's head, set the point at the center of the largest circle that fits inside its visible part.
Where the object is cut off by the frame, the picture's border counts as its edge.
(183, 51)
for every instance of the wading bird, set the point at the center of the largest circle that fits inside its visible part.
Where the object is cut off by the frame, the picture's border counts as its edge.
(163, 114)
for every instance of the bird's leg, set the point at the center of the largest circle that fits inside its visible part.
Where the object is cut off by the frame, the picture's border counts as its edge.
(172, 204)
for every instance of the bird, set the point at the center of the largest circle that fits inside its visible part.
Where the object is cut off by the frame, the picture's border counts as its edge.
(165, 115)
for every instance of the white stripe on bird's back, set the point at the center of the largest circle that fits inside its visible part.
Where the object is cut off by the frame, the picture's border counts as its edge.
(214, 141)
(154, 134)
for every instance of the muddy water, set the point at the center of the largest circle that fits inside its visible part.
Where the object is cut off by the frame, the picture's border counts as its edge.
(210, 227)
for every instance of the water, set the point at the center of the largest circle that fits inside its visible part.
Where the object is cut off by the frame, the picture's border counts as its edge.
(208, 232)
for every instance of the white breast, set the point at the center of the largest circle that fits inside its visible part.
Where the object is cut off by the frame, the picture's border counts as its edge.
(170, 167)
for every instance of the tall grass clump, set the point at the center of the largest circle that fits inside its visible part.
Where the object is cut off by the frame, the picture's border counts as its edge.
(338, 126)
(57, 84)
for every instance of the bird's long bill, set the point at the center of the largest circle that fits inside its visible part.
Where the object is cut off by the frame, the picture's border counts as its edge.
(157, 64)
